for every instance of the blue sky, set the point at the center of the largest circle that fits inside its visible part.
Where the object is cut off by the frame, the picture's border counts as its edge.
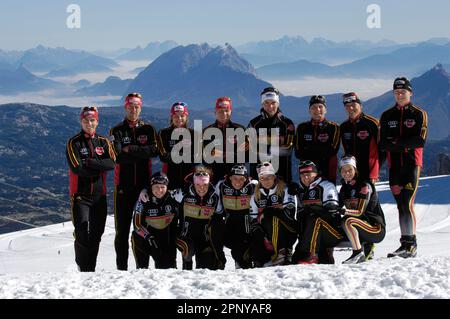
(117, 24)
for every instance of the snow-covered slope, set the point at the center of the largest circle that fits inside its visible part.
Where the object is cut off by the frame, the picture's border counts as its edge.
(39, 263)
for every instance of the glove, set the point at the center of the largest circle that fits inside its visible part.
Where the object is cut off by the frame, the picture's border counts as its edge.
(341, 211)
(255, 226)
(85, 162)
(143, 196)
(151, 240)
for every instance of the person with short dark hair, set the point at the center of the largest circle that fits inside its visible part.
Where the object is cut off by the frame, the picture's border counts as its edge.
(235, 192)
(403, 133)
(318, 216)
(359, 137)
(317, 140)
(155, 225)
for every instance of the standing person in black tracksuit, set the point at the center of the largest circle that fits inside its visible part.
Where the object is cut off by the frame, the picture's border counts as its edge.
(200, 206)
(135, 143)
(319, 217)
(176, 172)
(363, 220)
(235, 192)
(273, 208)
(224, 150)
(271, 121)
(359, 136)
(89, 156)
(317, 140)
(155, 226)
(402, 135)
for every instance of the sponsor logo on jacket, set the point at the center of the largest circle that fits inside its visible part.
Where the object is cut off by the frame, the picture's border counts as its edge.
(363, 134)
(99, 150)
(409, 123)
(142, 139)
(323, 137)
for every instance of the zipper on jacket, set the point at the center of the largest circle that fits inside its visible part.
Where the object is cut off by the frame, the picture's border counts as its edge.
(91, 147)
(401, 131)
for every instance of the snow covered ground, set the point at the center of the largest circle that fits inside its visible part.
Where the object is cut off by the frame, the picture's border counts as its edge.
(39, 263)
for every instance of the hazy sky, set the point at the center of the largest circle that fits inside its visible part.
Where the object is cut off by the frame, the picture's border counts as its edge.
(117, 24)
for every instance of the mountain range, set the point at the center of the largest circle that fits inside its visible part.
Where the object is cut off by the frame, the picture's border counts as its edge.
(113, 85)
(55, 61)
(198, 74)
(21, 80)
(410, 61)
(149, 53)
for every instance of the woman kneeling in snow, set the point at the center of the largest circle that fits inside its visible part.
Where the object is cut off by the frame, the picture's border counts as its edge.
(363, 220)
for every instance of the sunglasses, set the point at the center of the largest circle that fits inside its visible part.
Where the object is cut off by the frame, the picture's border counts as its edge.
(89, 108)
(160, 180)
(135, 95)
(306, 163)
(201, 174)
(263, 164)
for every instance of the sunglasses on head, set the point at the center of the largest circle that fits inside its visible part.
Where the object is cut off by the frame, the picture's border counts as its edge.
(135, 95)
(90, 108)
(306, 163)
(201, 174)
(263, 164)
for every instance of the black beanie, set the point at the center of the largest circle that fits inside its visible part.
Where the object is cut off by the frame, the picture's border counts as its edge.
(402, 83)
(317, 99)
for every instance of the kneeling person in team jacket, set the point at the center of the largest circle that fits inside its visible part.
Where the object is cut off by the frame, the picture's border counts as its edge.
(201, 210)
(363, 220)
(89, 156)
(273, 209)
(155, 226)
(235, 193)
(319, 218)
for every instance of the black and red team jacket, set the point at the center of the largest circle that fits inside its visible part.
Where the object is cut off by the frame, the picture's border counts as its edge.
(359, 138)
(134, 168)
(403, 133)
(319, 142)
(89, 158)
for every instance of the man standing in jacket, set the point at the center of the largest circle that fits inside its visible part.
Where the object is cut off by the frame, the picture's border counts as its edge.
(402, 136)
(135, 143)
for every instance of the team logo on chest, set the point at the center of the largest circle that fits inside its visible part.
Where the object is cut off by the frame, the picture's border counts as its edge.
(323, 137)
(307, 137)
(410, 123)
(392, 124)
(347, 136)
(312, 194)
(168, 208)
(274, 198)
(142, 139)
(99, 150)
(126, 140)
(352, 193)
(228, 191)
(84, 151)
(363, 134)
